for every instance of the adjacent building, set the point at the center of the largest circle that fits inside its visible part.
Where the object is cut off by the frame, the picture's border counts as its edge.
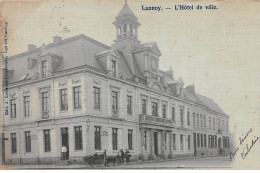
(91, 97)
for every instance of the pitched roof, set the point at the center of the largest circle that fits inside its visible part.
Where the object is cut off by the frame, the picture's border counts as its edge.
(126, 11)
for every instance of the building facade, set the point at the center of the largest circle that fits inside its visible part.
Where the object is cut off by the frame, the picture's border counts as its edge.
(91, 97)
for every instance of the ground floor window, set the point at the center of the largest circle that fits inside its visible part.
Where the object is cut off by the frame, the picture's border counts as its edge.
(205, 140)
(174, 141)
(47, 140)
(114, 138)
(198, 139)
(27, 141)
(145, 140)
(14, 142)
(97, 138)
(181, 141)
(189, 142)
(201, 138)
(130, 139)
(78, 138)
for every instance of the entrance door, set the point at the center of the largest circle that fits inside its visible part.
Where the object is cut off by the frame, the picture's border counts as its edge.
(65, 140)
(194, 144)
(156, 143)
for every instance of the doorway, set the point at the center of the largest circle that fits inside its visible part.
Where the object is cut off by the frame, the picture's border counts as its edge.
(65, 140)
(156, 143)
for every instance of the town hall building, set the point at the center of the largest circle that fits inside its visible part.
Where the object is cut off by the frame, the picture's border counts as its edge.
(90, 97)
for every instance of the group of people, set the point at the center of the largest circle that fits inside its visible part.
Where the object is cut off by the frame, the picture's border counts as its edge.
(121, 155)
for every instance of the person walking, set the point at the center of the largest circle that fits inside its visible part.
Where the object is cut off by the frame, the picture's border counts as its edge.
(63, 152)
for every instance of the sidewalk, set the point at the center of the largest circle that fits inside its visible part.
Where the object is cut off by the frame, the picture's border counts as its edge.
(81, 166)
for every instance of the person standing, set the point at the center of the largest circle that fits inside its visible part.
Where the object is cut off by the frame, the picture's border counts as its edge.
(127, 156)
(105, 158)
(63, 152)
(122, 156)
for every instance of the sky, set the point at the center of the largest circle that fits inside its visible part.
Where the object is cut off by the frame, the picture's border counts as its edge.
(216, 50)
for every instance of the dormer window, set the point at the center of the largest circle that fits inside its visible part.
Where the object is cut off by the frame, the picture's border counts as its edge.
(44, 68)
(113, 68)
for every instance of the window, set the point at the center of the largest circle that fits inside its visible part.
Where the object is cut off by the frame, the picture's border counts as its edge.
(129, 104)
(131, 28)
(188, 118)
(174, 141)
(113, 68)
(165, 141)
(198, 139)
(96, 94)
(181, 141)
(194, 120)
(130, 139)
(204, 120)
(201, 138)
(45, 108)
(173, 114)
(189, 142)
(13, 108)
(63, 100)
(205, 140)
(78, 138)
(14, 142)
(213, 121)
(218, 124)
(209, 141)
(47, 140)
(77, 97)
(223, 126)
(164, 111)
(143, 106)
(198, 120)
(27, 141)
(114, 101)
(209, 122)
(154, 109)
(26, 106)
(97, 138)
(181, 114)
(145, 140)
(215, 138)
(226, 126)
(44, 68)
(201, 123)
(114, 138)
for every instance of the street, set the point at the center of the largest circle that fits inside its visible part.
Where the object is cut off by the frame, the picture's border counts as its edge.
(191, 163)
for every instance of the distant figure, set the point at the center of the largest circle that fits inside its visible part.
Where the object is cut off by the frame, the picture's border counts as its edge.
(122, 155)
(105, 158)
(127, 156)
(220, 151)
(63, 152)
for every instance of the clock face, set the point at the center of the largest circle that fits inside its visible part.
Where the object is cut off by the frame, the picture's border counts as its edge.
(153, 64)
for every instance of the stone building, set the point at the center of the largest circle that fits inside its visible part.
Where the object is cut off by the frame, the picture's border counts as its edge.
(91, 97)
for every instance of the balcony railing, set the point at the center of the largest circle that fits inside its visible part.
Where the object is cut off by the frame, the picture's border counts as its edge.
(154, 120)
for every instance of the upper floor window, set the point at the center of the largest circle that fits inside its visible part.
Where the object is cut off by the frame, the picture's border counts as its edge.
(47, 140)
(218, 125)
(114, 100)
(198, 120)
(204, 120)
(154, 109)
(164, 111)
(96, 94)
(63, 100)
(223, 125)
(181, 116)
(201, 121)
(129, 104)
(188, 118)
(77, 97)
(45, 108)
(113, 68)
(13, 108)
(44, 68)
(26, 106)
(194, 119)
(173, 114)
(144, 106)
(213, 121)
(209, 122)
(226, 126)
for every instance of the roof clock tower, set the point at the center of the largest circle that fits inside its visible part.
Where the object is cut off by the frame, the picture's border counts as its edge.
(126, 26)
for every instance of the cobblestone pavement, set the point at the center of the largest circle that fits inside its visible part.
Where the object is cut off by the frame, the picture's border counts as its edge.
(190, 163)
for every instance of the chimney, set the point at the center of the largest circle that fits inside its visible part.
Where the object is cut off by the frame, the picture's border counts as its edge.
(31, 47)
(56, 39)
(191, 88)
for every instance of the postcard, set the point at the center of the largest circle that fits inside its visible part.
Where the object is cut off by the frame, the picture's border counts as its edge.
(130, 84)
